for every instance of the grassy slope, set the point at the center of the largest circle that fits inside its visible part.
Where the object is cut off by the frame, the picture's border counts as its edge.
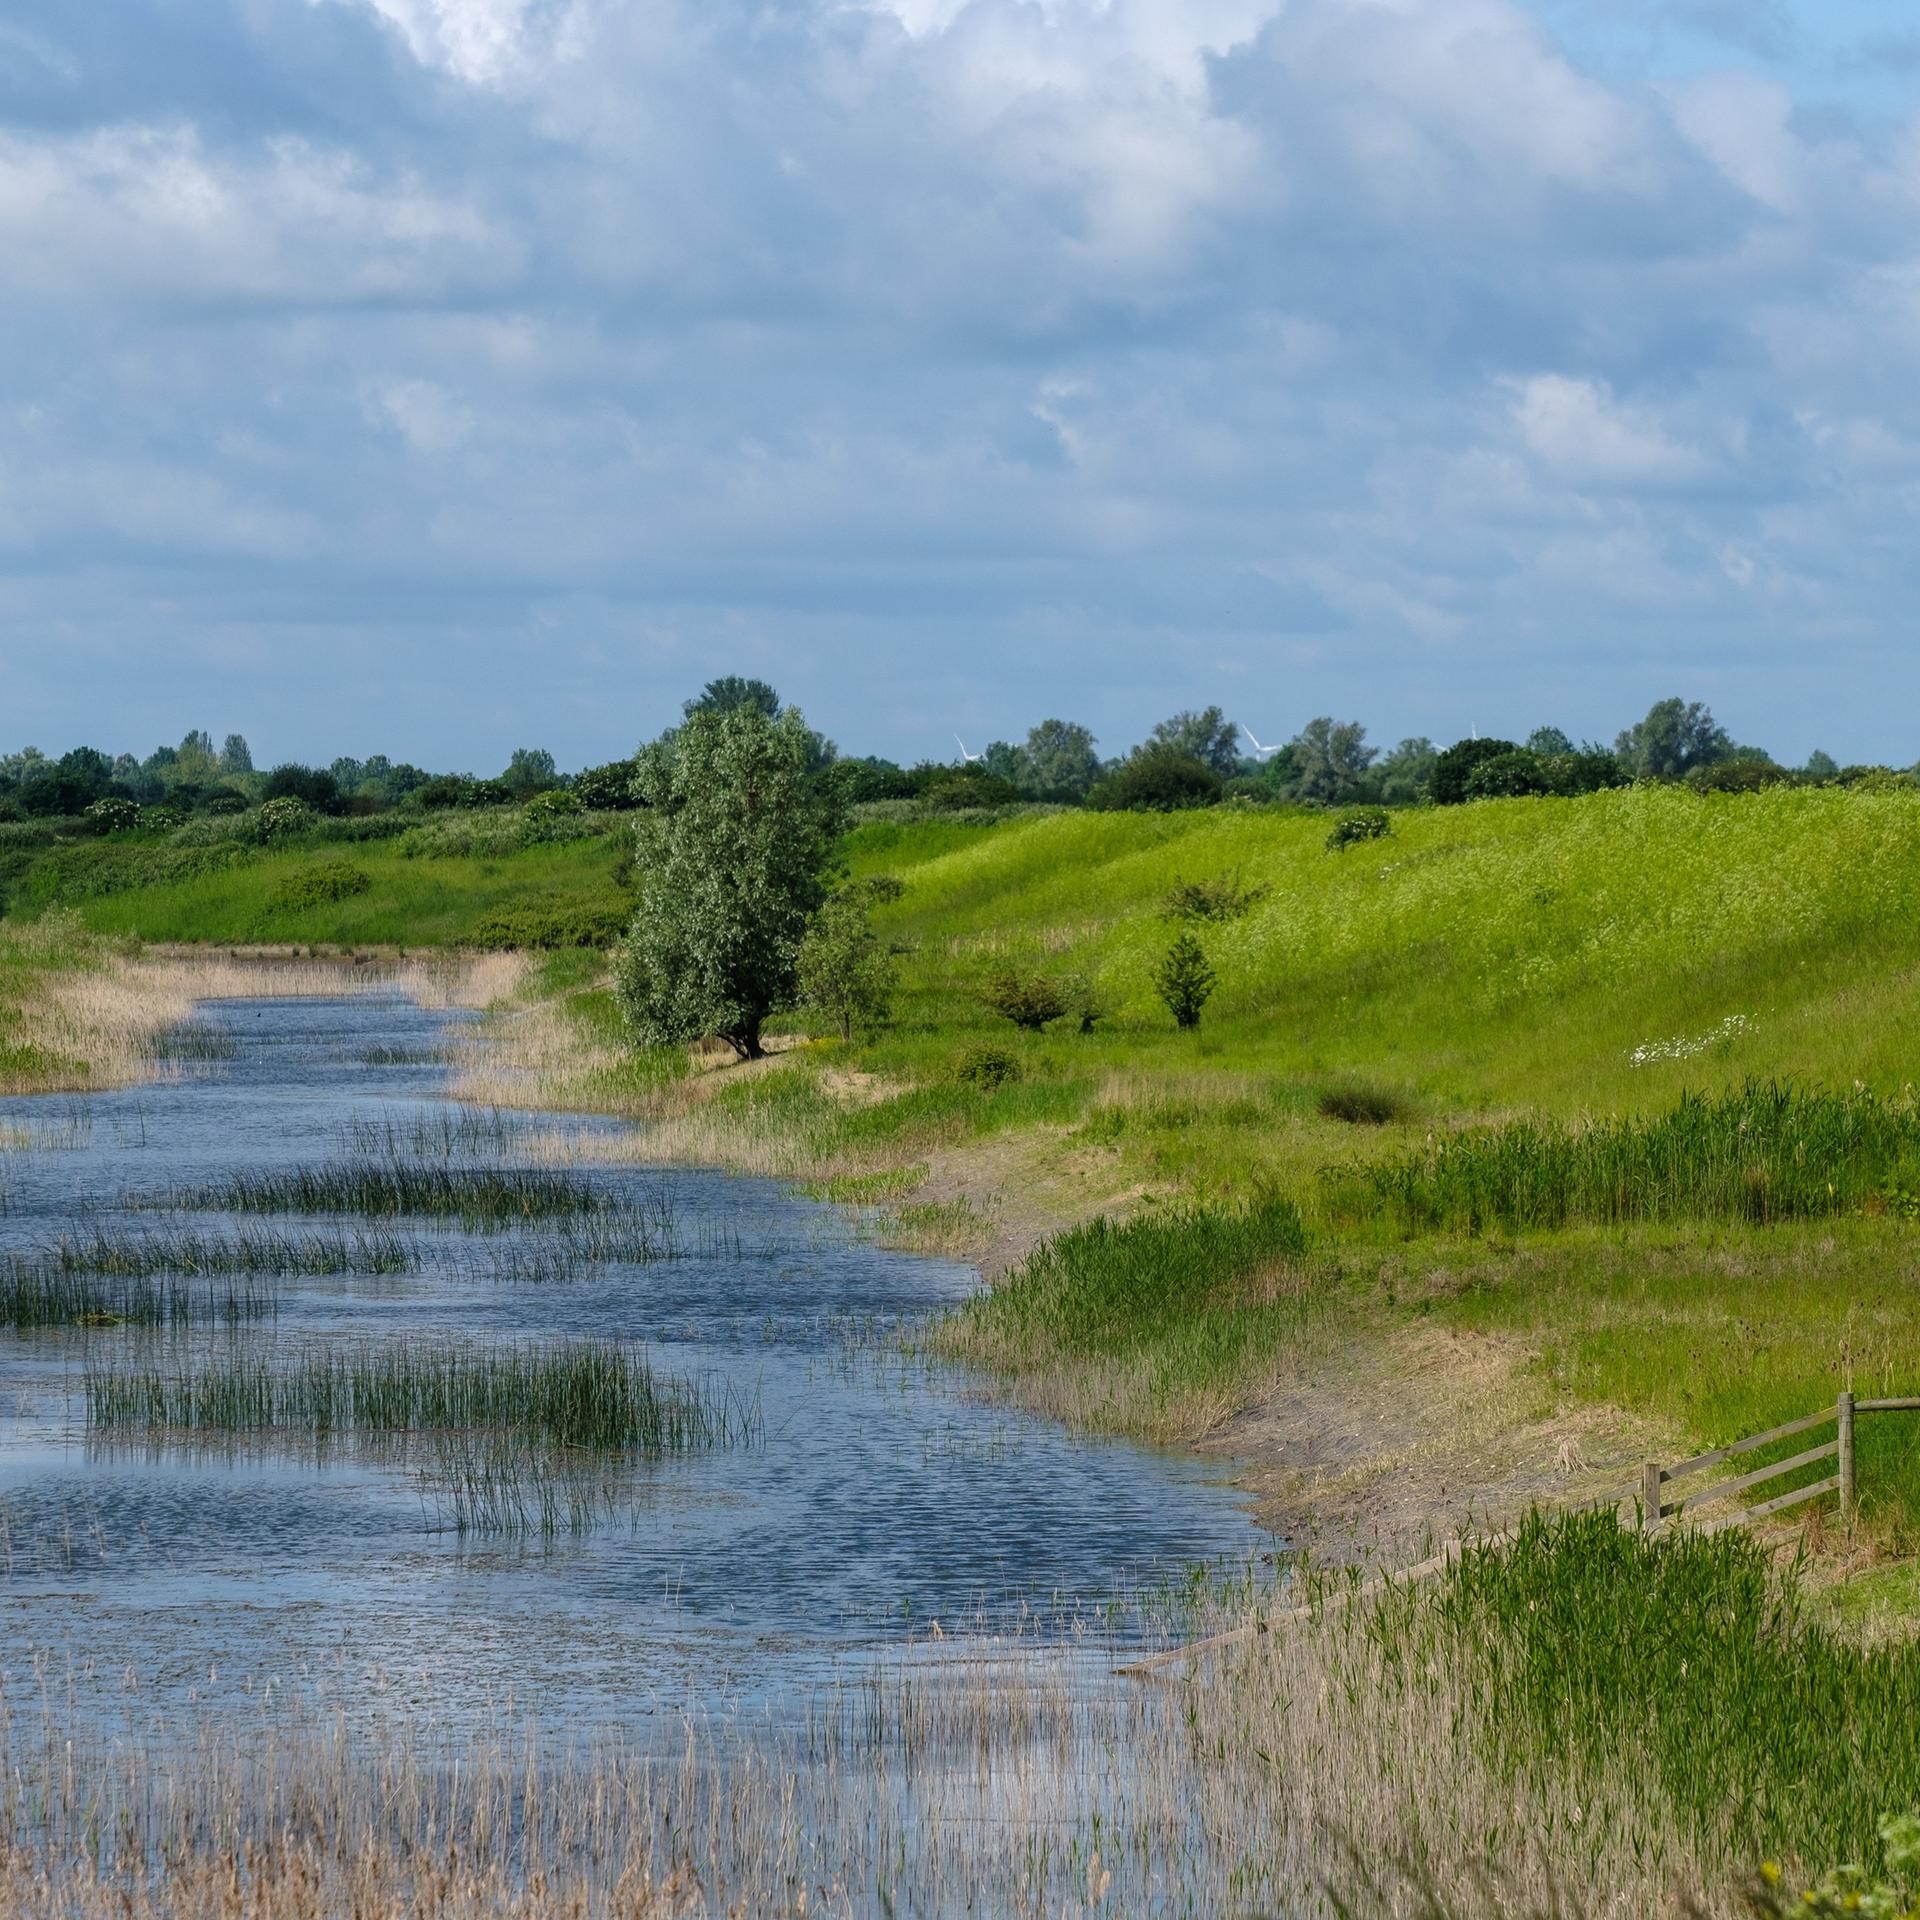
(412, 902)
(1482, 962)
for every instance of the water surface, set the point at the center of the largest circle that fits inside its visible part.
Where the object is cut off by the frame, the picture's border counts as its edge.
(878, 1497)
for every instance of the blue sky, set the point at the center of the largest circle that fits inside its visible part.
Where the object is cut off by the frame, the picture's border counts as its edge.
(432, 377)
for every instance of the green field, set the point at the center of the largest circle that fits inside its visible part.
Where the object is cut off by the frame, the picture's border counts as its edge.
(378, 893)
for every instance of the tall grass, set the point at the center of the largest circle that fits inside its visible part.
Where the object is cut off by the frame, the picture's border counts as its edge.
(1763, 1152)
(591, 1394)
(1153, 1324)
(1582, 1642)
(36, 1295)
(251, 1250)
(382, 1189)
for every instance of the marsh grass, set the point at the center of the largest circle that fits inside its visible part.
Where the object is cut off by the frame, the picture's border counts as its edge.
(36, 1296)
(1514, 1738)
(1151, 1325)
(247, 1251)
(596, 1395)
(477, 1197)
(1761, 1152)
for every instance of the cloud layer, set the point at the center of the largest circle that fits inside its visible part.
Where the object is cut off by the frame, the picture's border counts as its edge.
(426, 375)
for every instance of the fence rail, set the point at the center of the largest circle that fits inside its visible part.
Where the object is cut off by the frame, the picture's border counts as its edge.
(1656, 1508)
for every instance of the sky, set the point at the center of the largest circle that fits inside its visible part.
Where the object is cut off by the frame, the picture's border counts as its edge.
(435, 377)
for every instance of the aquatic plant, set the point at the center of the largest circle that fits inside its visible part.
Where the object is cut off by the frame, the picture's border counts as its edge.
(591, 1394)
(37, 1295)
(250, 1250)
(475, 1196)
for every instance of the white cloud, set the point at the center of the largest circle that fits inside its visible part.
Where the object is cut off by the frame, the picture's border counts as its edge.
(154, 209)
(1742, 124)
(1582, 434)
(428, 418)
(482, 42)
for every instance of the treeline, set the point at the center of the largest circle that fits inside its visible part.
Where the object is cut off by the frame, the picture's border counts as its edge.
(1193, 758)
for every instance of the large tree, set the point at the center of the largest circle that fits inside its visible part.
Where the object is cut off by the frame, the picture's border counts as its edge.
(735, 849)
(1059, 758)
(731, 690)
(1207, 736)
(1675, 737)
(1330, 760)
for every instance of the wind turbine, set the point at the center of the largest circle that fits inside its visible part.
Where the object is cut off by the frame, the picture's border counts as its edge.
(966, 757)
(1259, 752)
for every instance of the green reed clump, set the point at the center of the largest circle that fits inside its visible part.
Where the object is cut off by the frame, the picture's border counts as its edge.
(138, 1256)
(1587, 1645)
(1153, 1325)
(378, 1189)
(37, 1294)
(598, 1395)
(1764, 1152)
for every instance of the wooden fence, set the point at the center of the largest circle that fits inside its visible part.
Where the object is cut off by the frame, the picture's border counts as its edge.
(1656, 1508)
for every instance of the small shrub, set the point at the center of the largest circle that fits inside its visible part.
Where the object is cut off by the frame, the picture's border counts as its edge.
(1221, 899)
(1361, 1105)
(553, 923)
(845, 969)
(319, 885)
(986, 1067)
(1185, 980)
(1361, 824)
(113, 815)
(552, 803)
(1027, 997)
(284, 817)
(882, 889)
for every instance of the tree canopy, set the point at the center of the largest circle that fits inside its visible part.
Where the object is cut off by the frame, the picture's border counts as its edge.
(735, 851)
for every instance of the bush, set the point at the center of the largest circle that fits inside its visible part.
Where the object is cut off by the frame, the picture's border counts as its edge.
(608, 789)
(1221, 899)
(1362, 823)
(318, 885)
(553, 803)
(1594, 771)
(1447, 785)
(986, 1067)
(554, 922)
(114, 816)
(1026, 996)
(285, 817)
(1156, 780)
(1507, 776)
(1185, 980)
(314, 786)
(1361, 1105)
(1736, 776)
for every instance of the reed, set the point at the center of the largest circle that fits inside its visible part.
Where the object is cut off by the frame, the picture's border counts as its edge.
(1153, 1325)
(249, 1251)
(36, 1295)
(1766, 1151)
(596, 1395)
(1295, 1771)
(480, 1197)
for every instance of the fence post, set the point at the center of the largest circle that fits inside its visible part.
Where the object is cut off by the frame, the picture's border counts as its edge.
(1845, 1414)
(1650, 1496)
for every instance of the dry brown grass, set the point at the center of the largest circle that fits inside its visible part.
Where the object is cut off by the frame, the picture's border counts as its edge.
(99, 1024)
(973, 1776)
